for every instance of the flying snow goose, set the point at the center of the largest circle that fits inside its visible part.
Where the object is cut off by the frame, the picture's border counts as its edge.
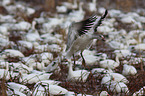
(81, 35)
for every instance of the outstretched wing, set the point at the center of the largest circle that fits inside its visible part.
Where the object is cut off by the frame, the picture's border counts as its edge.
(79, 28)
(86, 25)
(99, 22)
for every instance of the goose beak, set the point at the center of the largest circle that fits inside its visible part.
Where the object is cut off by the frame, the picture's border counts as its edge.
(102, 37)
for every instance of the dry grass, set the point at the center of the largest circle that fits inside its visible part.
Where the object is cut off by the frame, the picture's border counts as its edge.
(3, 87)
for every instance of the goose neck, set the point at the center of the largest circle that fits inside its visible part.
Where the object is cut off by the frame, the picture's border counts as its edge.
(70, 67)
(80, 6)
(94, 1)
(117, 59)
(75, 2)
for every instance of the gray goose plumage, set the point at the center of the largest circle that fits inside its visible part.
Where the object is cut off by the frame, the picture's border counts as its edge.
(81, 34)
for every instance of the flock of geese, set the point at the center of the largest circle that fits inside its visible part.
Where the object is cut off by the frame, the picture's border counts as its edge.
(81, 34)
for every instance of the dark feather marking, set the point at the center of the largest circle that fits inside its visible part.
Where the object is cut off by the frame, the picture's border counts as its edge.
(100, 21)
(87, 24)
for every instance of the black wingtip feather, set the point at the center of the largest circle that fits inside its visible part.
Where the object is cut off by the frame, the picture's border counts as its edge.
(106, 12)
(87, 24)
(100, 21)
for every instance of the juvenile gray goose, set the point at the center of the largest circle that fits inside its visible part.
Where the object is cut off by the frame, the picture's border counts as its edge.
(81, 35)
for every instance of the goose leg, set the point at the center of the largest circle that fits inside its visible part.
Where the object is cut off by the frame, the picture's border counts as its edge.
(74, 61)
(83, 62)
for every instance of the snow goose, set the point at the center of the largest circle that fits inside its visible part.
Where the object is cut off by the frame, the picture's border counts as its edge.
(80, 75)
(104, 93)
(129, 70)
(122, 53)
(107, 79)
(138, 35)
(66, 7)
(108, 63)
(11, 53)
(55, 90)
(119, 78)
(117, 45)
(90, 58)
(77, 15)
(61, 9)
(46, 88)
(92, 6)
(99, 70)
(20, 67)
(15, 93)
(23, 25)
(33, 33)
(34, 77)
(19, 87)
(140, 46)
(70, 5)
(118, 87)
(81, 35)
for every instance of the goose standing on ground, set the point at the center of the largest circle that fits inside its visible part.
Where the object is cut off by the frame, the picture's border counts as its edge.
(129, 70)
(67, 6)
(70, 5)
(104, 93)
(92, 6)
(78, 75)
(81, 35)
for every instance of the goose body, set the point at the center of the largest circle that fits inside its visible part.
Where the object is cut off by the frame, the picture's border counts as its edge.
(70, 5)
(113, 77)
(19, 87)
(104, 93)
(122, 53)
(129, 70)
(75, 47)
(40, 90)
(92, 6)
(80, 75)
(108, 63)
(140, 46)
(118, 87)
(77, 15)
